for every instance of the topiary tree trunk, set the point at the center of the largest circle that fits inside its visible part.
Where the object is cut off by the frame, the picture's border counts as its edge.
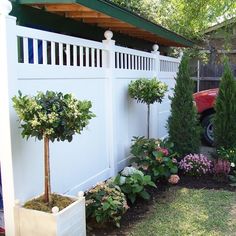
(183, 124)
(225, 117)
(148, 120)
(47, 182)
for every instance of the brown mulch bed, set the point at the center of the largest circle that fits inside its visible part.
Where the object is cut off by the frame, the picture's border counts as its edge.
(141, 207)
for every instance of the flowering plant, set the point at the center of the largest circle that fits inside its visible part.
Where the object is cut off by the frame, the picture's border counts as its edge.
(155, 157)
(195, 164)
(174, 179)
(106, 203)
(133, 183)
(51, 116)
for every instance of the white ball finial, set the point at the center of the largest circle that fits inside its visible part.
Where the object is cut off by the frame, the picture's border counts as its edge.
(155, 47)
(5, 7)
(181, 54)
(108, 34)
(17, 202)
(80, 194)
(55, 209)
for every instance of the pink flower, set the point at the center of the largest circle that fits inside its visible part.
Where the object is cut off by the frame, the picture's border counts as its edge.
(163, 150)
(174, 179)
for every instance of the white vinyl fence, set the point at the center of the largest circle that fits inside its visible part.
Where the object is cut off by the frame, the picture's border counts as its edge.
(35, 60)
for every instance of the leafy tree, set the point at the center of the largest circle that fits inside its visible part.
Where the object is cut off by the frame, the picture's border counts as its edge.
(144, 8)
(147, 91)
(51, 116)
(225, 117)
(188, 18)
(183, 127)
(191, 18)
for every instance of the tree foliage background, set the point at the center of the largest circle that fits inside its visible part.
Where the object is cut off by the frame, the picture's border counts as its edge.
(185, 17)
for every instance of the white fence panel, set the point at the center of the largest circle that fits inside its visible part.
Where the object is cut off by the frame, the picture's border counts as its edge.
(49, 61)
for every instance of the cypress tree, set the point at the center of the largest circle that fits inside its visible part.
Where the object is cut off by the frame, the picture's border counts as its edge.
(183, 124)
(225, 117)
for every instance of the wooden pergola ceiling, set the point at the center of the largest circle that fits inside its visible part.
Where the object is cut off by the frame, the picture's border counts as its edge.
(90, 16)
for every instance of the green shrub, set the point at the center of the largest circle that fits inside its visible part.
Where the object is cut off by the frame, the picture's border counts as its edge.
(133, 183)
(154, 157)
(225, 116)
(183, 124)
(106, 204)
(147, 91)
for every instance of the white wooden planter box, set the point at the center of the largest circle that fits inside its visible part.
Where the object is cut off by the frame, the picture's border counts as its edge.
(68, 222)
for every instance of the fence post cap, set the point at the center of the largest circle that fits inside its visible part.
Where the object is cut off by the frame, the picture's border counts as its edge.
(5, 7)
(181, 54)
(108, 34)
(155, 47)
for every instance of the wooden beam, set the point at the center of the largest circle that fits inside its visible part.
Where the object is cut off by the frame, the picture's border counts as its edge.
(86, 15)
(64, 7)
(116, 25)
(61, 7)
(100, 20)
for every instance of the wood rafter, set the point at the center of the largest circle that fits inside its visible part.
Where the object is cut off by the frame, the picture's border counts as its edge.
(85, 15)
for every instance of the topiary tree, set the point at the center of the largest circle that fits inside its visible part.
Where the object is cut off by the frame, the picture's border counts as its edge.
(51, 116)
(183, 124)
(225, 116)
(147, 91)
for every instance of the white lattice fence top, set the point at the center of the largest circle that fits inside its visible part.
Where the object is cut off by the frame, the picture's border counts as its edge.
(41, 47)
(131, 59)
(169, 64)
(37, 47)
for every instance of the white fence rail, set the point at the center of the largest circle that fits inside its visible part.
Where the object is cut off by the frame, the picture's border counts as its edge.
(37, 60)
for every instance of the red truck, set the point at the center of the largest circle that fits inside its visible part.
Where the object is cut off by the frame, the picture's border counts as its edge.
(205, 101)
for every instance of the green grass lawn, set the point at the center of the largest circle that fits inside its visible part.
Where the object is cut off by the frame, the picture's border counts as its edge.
(182, 211)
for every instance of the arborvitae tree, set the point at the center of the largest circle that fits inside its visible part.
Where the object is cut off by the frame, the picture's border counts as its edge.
(225, 117)
(183, 124)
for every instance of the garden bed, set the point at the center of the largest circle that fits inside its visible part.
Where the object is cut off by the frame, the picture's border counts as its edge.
(142, 209)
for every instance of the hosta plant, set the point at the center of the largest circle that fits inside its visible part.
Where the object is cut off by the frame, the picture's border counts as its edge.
(105, 203)
(51, 116)
(196, 165)
(133, 183)
(154, 157)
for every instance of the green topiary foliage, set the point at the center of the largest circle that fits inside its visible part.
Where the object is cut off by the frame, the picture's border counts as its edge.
(225, 117)
(183, 124)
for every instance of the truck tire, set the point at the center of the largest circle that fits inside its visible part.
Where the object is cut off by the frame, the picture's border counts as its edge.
(207, 124)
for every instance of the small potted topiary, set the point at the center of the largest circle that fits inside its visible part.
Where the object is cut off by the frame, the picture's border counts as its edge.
(50, 117)
(147, 91)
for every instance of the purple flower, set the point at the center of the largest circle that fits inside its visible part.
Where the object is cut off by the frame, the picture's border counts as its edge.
(195, 164)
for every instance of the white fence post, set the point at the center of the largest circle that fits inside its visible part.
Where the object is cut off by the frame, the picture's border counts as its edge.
(8, 61)
(108, 60)
(154, 115)
(156, 68)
